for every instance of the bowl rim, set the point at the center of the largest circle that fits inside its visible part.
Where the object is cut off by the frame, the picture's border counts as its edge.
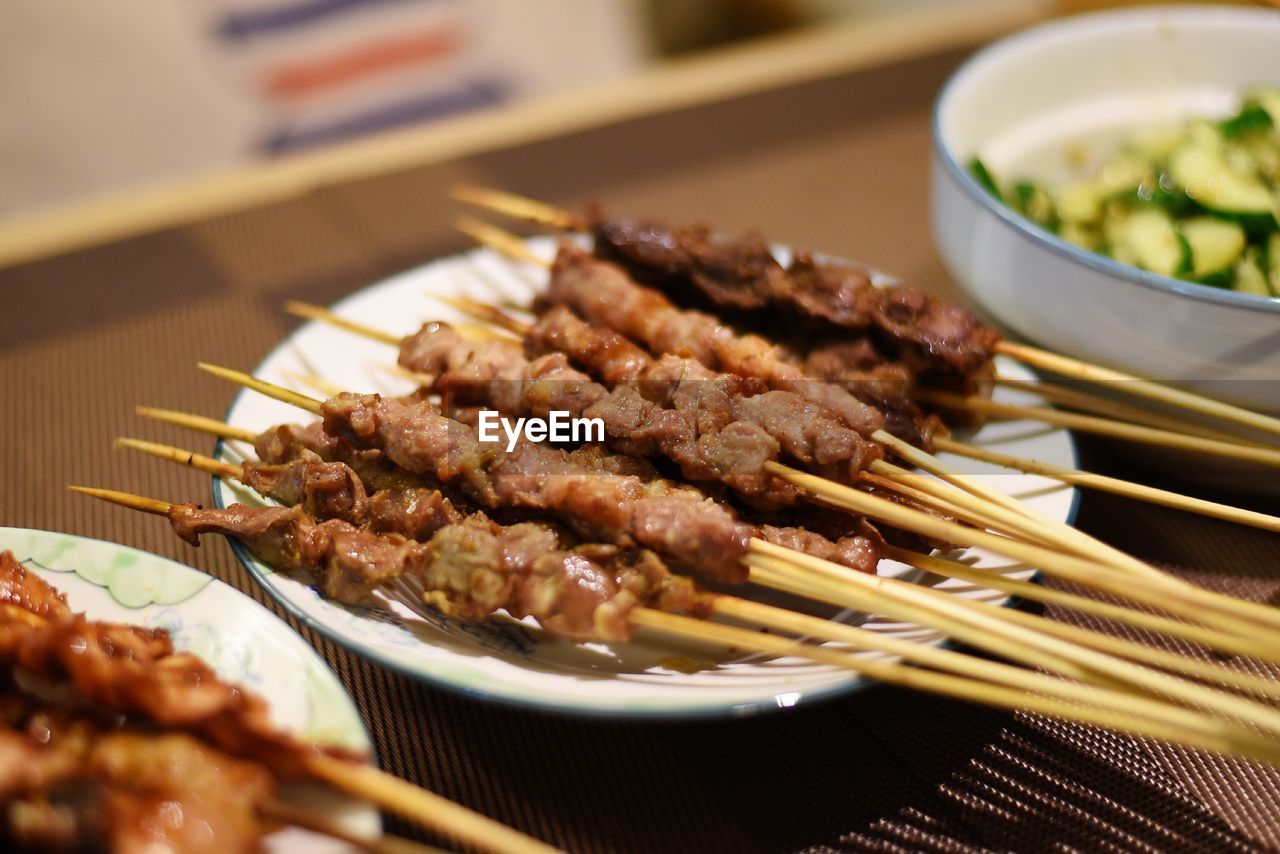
(1047, 239)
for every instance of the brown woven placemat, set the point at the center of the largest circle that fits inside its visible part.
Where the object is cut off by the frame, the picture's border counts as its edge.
(840, 166)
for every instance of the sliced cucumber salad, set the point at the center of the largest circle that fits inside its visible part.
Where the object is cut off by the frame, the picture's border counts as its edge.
(1201, 203)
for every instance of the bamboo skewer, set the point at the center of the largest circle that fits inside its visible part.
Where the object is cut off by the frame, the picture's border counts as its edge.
(1106, 427)
(1136, 491)
(506, 242)
(520, 207)
(953, 569)
(952, 501)
(287, 814)
(1096, 405)
(1057, 533)
(271, 390)
(320, 384)
(182, 456)
(1062, 535)
(1206, 671)
(199, 423)
(1032, 649)
(1083, 604)
(1081, 370)
(981, 624)
(1114, 486)
(1235, 616)
(787, 621)
(516, 206)
(368, 783)
(938, 683)
(1159, 720)
(312, 312)
(424, 807)
(901, 485)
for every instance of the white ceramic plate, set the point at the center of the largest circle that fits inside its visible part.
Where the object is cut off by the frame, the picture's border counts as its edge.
(241, 640)
(516, 662)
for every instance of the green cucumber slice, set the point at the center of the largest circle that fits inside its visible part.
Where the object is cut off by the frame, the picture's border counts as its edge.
(1268, 98)
(1202, 171)
(1035, 203)
(1079, 203)
(1144, 237)
(983, 176)
(1252, 118)
(1084, 236)
(1249, 276)
(1216, 245)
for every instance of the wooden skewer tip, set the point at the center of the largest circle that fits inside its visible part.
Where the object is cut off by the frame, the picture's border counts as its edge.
(126, 499)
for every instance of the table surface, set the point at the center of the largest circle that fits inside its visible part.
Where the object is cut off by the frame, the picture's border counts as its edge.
(839, 165)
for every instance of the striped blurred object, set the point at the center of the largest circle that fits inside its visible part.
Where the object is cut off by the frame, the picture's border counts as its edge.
(102, 97)
(331, 69)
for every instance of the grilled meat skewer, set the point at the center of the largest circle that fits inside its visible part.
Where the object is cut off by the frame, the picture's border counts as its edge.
(135, 671)
(333, 490)
(713, 431)
(741, 274)
(79, 781)
(596, 493)
(471, 568)
(604, 294)
(416, 511)
(469, 564)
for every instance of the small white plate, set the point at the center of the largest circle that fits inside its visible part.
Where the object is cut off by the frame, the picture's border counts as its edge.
(518, 663)
(243, 641)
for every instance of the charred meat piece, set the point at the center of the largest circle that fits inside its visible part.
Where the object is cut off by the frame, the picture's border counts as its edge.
(286, 443)
(700, 430)
(134, 672)
(857, 365)
(472, 568)
(332, 490)
(25, 592)
(806, 431)
(84, 783)
(741, 274)
(678, 523)
(598, 494)
(605, 295)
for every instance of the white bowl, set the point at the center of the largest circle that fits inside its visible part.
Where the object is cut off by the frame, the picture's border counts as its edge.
(1030, 106)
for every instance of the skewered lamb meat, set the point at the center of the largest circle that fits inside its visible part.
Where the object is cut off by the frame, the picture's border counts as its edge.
(582, 487)
(472, 568)
(740, 273)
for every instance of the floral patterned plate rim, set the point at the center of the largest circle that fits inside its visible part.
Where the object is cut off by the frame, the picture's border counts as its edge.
(516, 663)
(243, 641)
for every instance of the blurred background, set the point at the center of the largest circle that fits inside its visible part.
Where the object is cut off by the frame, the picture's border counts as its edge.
(101, 98)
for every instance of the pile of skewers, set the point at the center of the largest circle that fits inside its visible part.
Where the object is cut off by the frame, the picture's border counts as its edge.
(733, 453)
(112, 740)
